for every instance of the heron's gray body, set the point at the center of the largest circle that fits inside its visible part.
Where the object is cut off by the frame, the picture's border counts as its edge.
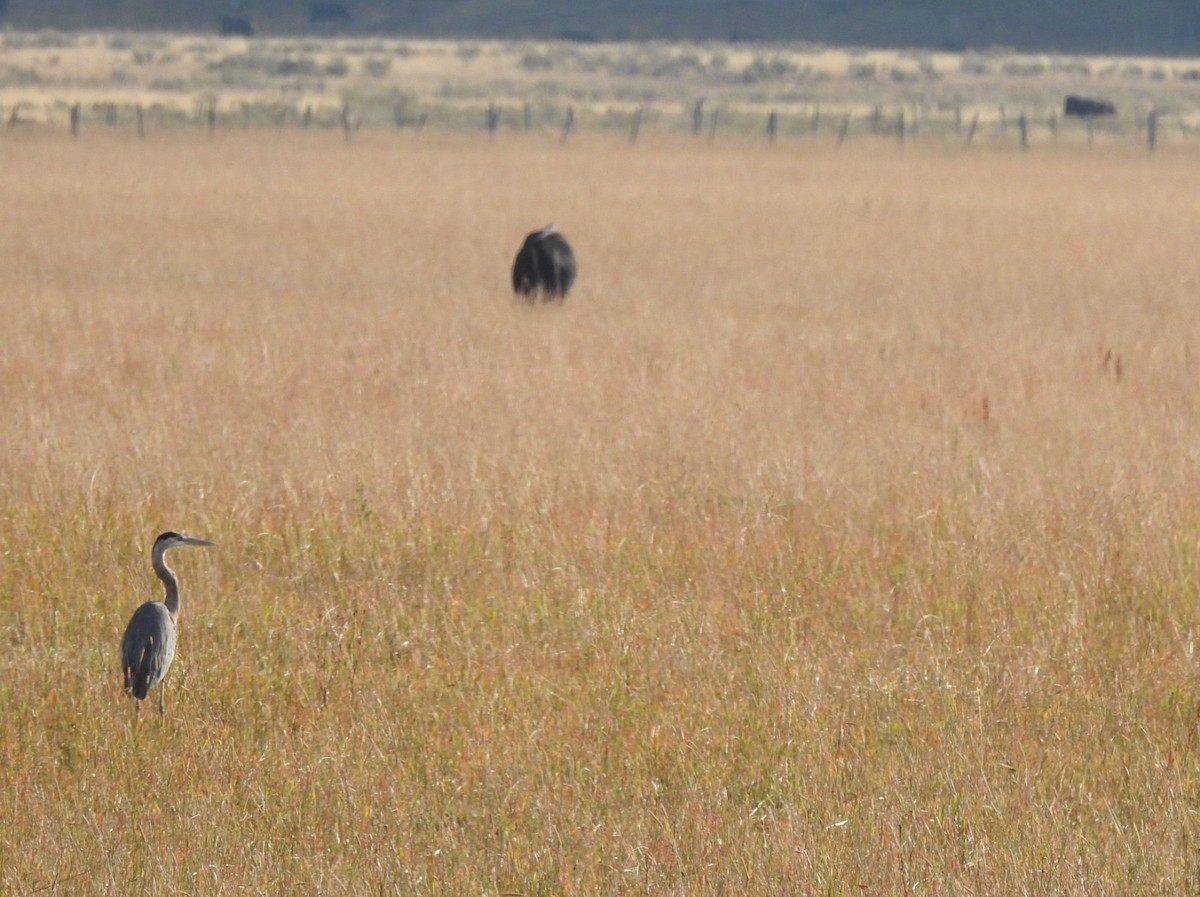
(148, 646)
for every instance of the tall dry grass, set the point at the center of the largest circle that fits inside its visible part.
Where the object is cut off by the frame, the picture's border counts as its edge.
(837, 536)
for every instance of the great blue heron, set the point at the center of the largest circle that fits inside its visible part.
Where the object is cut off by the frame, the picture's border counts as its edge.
(148, 646)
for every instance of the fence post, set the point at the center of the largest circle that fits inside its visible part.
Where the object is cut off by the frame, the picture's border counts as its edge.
(75, 119)
(772, 126)
(636, 126)
(568, 122)
(1023, 130)
(971, 128)
(845, 126)
(1151, 129)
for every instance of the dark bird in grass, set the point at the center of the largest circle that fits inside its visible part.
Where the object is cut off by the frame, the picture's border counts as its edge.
(148, 646)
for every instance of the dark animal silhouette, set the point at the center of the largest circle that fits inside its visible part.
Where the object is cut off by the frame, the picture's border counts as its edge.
(545, 266)
(148, 646)
(1082, 107)
(235, 25)
(328, 13)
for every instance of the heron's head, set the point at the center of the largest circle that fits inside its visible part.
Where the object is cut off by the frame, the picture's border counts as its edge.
(172, 539)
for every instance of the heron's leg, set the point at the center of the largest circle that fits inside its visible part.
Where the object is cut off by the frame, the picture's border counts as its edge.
(161, 688)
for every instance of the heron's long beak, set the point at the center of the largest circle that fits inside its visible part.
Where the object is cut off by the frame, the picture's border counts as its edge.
(192, 540)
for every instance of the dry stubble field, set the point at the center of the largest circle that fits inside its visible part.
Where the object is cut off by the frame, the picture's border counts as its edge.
(837, 536)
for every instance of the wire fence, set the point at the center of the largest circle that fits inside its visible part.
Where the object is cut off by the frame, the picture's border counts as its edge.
(838, 124)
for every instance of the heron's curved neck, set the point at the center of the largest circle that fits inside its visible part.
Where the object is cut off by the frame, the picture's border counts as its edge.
(167, 575)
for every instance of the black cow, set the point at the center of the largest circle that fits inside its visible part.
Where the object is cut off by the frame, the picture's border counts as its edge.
(329, 13)
(1082, 107)
(235, 25)
(545, 266)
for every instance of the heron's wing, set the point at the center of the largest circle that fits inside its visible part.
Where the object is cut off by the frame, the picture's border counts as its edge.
(147, 648)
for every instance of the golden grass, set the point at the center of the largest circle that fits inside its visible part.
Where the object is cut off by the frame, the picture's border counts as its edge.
(838, 535)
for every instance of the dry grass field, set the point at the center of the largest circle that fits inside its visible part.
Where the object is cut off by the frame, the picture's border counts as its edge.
(837, 536)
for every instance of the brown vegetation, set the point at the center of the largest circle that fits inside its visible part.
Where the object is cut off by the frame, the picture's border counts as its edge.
(838, 535)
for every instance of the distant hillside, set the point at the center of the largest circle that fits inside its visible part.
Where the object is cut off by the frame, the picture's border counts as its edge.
(1102, 26)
